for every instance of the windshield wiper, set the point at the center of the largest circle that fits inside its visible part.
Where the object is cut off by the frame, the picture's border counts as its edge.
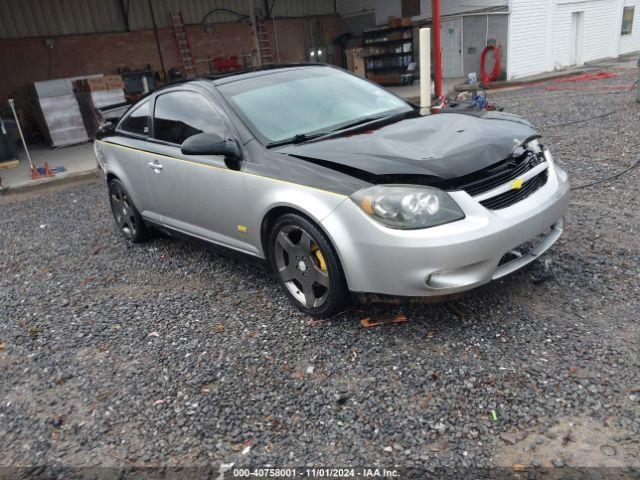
(299, 138)
(362, 121)
(387, 118)
(305, 137)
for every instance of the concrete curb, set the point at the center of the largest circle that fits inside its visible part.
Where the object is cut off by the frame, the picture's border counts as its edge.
(464, 87)
(523, 82)
(53, 181)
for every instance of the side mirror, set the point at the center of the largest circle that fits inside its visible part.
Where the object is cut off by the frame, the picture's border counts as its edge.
(213, 144)
(105, 129)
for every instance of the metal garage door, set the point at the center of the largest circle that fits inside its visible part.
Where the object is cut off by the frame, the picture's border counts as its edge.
(451, 35)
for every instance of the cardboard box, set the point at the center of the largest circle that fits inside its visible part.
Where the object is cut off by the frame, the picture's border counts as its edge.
(355, 61)
(96, 84)
(114, 82)
(397, 35)
(90, 84)
(405, 22)
(394, 22)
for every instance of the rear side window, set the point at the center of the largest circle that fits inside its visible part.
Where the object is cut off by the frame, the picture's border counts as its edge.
(180, 115)
(137, 121)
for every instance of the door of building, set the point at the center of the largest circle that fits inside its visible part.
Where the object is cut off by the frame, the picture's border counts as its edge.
(451, 38)
(577, 35)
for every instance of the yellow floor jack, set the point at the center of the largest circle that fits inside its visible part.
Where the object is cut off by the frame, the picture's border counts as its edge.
(36, 172)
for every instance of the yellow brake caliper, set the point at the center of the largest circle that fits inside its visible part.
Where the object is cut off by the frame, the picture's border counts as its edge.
(319, 257)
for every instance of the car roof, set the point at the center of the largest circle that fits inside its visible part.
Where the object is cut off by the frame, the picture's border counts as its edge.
(228, 77)
(243, 74)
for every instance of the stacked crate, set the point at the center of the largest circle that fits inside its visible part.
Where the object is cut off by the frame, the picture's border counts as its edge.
(95, 93)
(56, 111)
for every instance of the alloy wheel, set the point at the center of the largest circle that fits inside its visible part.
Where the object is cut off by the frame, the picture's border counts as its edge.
(301, 266)
(123, 210)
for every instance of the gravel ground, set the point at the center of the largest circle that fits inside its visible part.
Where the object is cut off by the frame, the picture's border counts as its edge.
(170, 354)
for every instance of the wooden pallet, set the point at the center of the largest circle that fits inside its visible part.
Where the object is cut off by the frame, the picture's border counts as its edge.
(9, 164)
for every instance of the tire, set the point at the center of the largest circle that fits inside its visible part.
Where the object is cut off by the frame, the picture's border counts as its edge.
(126, 214)
(307, 266)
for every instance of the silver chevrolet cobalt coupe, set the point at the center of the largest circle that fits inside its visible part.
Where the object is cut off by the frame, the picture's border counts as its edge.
(339, 185)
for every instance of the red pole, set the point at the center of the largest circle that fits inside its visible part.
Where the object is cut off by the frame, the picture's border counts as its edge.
(437, 58)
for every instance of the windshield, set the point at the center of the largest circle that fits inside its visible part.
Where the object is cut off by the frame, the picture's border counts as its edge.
(281, 105)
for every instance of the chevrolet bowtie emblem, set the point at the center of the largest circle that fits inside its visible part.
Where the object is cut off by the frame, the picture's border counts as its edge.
(517, 184)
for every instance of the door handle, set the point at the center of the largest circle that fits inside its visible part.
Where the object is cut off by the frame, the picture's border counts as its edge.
(154, 166)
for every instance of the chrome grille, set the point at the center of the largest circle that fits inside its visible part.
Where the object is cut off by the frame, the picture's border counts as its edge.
(505, 171)
(511, 197)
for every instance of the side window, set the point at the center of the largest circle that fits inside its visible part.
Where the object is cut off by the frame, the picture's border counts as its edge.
(180, 115)
(138, 120)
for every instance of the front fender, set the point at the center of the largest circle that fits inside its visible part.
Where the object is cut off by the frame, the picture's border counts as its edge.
(265, 194)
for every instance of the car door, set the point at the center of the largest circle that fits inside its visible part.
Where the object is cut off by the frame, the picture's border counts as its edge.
(129, 166)
(195, 194)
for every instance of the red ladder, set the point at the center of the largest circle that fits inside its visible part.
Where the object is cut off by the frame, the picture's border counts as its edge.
(266, 55)
(182, 42)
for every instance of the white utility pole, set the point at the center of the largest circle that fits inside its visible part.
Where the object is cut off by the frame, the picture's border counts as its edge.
(425, 67)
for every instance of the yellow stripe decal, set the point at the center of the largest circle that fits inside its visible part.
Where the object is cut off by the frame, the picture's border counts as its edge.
(220, 168)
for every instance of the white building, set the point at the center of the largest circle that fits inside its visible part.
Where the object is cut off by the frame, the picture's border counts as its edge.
(535, 36)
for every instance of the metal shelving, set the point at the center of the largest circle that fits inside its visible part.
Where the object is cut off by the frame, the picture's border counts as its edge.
(389, 53)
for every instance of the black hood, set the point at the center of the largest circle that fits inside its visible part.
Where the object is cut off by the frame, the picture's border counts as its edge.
(435, 147)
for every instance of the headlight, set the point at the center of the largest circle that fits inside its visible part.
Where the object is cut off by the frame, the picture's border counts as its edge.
(408, 207)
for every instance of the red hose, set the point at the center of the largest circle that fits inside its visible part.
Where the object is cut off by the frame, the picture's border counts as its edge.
(486, 79)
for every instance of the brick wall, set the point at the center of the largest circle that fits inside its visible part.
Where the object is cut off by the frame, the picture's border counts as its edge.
(23, 61)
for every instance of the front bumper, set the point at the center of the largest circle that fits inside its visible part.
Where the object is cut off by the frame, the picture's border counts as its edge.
(450, 258)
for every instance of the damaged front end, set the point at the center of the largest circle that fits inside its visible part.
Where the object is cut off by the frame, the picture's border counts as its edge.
(446, 151)
(508, 181)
